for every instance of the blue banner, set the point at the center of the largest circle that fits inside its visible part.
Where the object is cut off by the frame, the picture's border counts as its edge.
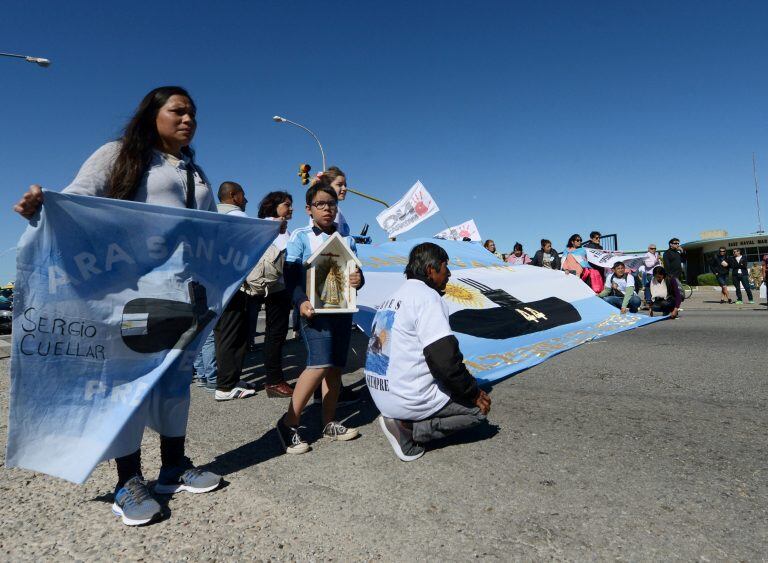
(506, 318)
(112, 301)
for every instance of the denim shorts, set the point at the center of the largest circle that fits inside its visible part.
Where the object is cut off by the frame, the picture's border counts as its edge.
(327, 339)
(722, 279)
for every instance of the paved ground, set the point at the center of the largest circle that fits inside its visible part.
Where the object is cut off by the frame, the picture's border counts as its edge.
(647, 445)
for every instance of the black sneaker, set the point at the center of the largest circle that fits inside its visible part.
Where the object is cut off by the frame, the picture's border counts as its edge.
(134, 503)
(400, 437)
(290, 438)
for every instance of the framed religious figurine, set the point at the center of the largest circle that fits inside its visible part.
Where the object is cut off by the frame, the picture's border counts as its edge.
(328, 271)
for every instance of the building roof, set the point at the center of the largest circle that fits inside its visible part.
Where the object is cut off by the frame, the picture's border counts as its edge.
(719, 239)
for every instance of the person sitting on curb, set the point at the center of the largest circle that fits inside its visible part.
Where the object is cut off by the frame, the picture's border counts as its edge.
(666, 297)
(546, 256)
(619, 289)
(414, 369)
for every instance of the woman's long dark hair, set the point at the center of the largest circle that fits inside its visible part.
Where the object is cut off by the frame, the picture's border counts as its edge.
(268, 205)
(139, 138)
(570, 241)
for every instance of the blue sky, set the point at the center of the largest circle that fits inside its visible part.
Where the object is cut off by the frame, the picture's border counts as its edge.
(536, 119)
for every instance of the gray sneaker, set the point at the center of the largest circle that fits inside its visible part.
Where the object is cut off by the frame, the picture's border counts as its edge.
(186, 478)
(134, 503)
(401, 439)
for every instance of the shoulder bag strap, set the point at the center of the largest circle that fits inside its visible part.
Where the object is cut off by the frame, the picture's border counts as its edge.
(191, 203)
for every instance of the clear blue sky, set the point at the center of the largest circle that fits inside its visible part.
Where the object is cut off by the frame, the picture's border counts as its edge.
(535, 119)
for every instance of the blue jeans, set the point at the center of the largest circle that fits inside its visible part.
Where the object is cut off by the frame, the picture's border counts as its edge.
(205, 363)
(633, 305)
(647, 277)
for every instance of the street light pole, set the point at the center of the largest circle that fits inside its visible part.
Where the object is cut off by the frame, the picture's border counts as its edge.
(278, 119)
(37, 60)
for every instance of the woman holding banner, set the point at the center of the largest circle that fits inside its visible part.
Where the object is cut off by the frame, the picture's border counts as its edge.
(153, 163)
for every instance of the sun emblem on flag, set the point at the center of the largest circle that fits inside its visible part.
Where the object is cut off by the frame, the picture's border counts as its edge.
(463, 295)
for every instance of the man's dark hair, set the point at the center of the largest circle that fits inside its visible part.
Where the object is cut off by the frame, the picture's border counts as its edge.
(517, 247)
(268, 205)
(424, 255)
(659, 270)
(616, 264)
(594, 234)
(721, 248)
(673, 241)
(226, 189)
(321, 186)
(545, 242)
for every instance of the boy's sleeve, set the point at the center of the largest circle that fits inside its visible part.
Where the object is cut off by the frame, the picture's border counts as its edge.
(442, 354)
(294, 270)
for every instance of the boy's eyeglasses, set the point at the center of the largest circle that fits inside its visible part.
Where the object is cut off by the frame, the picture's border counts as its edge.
(323, 205)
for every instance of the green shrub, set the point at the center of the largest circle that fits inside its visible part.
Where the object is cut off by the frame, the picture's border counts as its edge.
(710, 279)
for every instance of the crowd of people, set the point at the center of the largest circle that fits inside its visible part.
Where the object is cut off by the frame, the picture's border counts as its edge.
(428, 394)
(655, 286)
(659, 284)
(423, 390)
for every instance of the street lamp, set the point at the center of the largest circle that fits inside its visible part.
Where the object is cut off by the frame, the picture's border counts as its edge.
(37, 60)
(278, 119)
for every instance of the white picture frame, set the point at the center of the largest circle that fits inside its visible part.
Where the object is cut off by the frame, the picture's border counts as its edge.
(334, 252)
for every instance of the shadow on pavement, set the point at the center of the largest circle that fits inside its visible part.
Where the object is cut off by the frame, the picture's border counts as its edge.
(482, 432)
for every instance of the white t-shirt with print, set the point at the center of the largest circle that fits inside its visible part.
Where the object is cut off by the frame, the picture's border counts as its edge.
(396, 371)
(620, 282)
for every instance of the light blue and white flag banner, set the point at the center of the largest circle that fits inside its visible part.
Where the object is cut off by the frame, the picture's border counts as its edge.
(506, 318)
(607, 258)
(112, 300)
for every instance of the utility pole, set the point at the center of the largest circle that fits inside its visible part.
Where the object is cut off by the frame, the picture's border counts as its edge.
(757, 196)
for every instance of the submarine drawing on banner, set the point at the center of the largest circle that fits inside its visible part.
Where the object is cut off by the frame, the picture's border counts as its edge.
(152, 325)
(512, 317)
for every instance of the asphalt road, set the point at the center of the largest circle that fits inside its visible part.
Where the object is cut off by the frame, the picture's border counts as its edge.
(650, 444)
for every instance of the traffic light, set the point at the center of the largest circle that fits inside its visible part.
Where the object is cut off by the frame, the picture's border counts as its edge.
(304, 173)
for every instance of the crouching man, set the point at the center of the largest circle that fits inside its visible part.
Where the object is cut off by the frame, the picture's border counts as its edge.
(414, 368)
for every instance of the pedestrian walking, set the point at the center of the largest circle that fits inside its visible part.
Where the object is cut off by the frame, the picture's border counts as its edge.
(674, 258)
(720, 265)
(266, 284)
(326, 337)
(740, 275)
(151, 162)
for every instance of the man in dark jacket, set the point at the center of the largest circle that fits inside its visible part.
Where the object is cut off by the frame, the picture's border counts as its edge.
(740, 274)
(673, 258)
(414, 368)
(721, 265)
(594, 241)
(546, 257)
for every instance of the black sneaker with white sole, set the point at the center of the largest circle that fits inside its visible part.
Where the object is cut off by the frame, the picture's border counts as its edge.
(290, 438)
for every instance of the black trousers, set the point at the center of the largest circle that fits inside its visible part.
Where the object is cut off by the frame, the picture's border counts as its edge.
(742, 279)
(278, 308)
(230, 335)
